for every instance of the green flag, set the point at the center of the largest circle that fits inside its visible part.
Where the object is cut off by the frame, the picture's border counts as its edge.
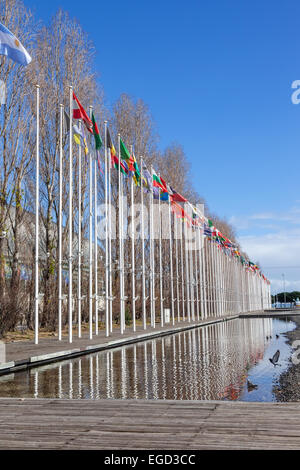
(98, 140)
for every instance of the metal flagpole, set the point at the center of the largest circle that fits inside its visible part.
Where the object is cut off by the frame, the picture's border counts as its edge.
(60, 299)
(192, 277)
(37, 208)
(71, 220)
(143, 252)
(187, 275)
(133, 253)
(182, 271)
(120, 238)
(96, 240)
(107, 265)
(90, 243)
(109, 241)
(152, 267)
(161, 293)
(196, 229)
(177, 267)
(171, 263)
(79, 238)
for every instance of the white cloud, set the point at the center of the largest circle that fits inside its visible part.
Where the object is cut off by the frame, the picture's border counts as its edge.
(273, 239)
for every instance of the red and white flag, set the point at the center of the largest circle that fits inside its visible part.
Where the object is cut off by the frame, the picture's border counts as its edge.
(80, 113)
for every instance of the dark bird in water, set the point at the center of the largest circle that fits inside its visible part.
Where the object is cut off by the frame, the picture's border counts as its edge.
(274, 359)
(251, 386)
(277, 336)
(267, 337)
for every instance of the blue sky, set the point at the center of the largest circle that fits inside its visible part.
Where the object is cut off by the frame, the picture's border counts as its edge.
(217, 77)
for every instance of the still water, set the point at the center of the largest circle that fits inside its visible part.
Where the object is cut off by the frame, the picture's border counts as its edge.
(215, 362)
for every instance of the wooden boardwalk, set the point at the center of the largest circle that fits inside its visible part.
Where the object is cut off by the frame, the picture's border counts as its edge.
(147, 425)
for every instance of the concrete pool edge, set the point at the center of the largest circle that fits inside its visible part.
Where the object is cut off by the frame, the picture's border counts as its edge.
(39, 360)
(43, 359)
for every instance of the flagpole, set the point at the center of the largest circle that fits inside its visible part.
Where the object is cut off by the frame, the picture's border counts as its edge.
(96, 238)
(143, 252)
(90, 244)
(152, 266)
(196, 231)
(120, 238)
(182, 271)
(133, 252)
(177, 267)
(187, 275)
(79, 236)
(192, 276)
(71, 219)
(109, 244)
(107, 265)
(160, 268)
(60, 225)
(171, 263)
(37, 208)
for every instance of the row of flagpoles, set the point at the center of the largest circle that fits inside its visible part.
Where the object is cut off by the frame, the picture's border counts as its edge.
(215, 278)
(208, 273)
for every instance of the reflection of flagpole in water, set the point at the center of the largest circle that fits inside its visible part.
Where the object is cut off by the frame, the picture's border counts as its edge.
(79, 379)
(36, 384)
(123, 373)
(146, 372)
(163, 362)
(71, 380)
(135, 378)
(112, 374)
(190, 379)
(154, 371)
(97, 395)
(180, 368)
(108, 384)
(174, 383)
(91, 377)
(60, 381)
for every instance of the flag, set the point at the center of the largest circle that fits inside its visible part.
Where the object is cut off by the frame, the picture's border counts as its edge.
(98, 140)
(11, 47)
(113, 156)
(157, 181)
(111, 147)
(115, 164)
(66, 122)
(130, 162)
(80, 113)
(175, 196)
(79, 138)
(147, 179)
(124, 152)
(136, 172)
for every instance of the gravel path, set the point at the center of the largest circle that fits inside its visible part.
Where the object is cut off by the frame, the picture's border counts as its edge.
(288, 388)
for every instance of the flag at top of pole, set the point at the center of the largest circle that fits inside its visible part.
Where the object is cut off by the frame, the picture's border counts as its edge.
(11, 47)
(80, 113)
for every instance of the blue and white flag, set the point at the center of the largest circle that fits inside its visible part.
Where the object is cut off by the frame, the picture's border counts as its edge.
(11, 47)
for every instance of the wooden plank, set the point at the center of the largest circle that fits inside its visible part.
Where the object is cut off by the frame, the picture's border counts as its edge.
(152, 424)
